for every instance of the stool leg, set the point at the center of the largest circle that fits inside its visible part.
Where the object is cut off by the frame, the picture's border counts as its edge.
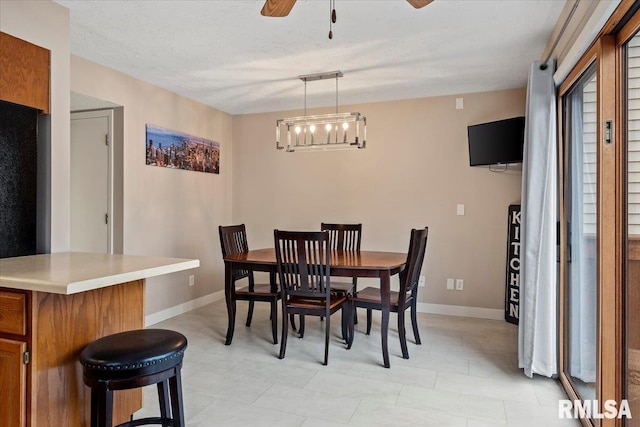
(163, 398)
(94, 407)
(105, 408)
(175, 383)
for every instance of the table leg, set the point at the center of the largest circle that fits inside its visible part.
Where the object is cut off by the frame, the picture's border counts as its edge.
(385, 284)
(231, 302)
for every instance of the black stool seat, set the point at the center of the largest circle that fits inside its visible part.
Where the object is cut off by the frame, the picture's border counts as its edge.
(135, 359)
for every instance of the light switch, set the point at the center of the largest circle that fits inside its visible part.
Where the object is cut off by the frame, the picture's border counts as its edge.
(450, 284)
(459, 103)
(460, 210)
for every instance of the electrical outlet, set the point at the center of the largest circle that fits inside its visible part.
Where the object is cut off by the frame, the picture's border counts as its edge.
(459, 285)
(450, 284)
(421, 282)
(192, 280)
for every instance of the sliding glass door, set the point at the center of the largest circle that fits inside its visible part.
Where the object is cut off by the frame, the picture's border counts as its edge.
(588, 273)
(599, 225)
(629, 42)
(580, 207)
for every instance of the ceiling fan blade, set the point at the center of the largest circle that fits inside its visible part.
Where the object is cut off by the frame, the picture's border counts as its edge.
(419, 3)
(277, 8)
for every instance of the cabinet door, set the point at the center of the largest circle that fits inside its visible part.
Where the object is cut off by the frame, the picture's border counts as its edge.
(12, 382)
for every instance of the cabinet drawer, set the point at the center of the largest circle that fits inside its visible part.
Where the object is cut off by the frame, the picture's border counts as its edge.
(13, 309)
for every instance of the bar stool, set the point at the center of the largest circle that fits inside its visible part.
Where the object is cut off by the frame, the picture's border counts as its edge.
(135, 359)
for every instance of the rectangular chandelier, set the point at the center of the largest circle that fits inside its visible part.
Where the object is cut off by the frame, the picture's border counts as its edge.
(323, 131)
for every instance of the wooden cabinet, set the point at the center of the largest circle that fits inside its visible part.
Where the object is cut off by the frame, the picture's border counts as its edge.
(53, 329)
(13, 382)
(25, 73)
(13, 347)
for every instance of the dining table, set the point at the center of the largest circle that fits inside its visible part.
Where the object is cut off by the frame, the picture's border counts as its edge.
(373, 264)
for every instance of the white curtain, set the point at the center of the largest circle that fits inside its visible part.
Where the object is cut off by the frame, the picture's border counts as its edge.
(537, 338)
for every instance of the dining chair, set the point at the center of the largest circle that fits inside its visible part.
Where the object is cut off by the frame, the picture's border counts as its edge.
(406, 297)
(344, 237)
(303, 260)
(233, 240)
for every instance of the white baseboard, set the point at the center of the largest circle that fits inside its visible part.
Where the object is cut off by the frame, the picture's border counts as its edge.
(450, 310)
(170, 312)
(459, 310)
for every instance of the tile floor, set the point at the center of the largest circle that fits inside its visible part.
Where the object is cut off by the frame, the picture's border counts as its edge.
(464, 374)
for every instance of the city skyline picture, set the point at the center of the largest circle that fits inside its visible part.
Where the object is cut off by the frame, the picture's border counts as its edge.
(177, 150)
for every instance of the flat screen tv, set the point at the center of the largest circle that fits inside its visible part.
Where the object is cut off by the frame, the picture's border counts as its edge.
(498, 142)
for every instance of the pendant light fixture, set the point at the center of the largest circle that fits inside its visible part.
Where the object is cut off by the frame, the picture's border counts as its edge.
(323, 131)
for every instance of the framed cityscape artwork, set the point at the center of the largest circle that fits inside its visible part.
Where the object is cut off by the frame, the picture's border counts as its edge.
(176, 150)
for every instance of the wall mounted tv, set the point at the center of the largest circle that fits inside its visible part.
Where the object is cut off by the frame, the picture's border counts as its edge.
(498, 142)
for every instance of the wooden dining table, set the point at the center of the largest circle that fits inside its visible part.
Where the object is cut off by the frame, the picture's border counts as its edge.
(343, 264)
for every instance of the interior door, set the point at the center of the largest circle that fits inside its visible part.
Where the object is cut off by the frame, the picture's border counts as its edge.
(91, 181)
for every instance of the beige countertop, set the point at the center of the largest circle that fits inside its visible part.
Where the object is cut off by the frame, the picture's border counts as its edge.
(73, 272)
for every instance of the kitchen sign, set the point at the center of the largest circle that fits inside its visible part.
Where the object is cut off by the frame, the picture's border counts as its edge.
(512, 291)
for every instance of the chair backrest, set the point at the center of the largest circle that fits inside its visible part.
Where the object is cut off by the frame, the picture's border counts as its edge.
(415, 257)
(233, 240)
(303, 262)
(344, 237)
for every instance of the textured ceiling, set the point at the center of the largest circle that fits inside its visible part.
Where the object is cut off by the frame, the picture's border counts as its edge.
(226, 55)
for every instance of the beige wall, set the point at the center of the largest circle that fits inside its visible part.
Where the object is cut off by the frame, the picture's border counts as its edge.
(46, 24)
(166, 212)
(414, 172)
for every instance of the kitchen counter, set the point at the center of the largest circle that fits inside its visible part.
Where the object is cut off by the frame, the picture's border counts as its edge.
(72, 272)
(51, 307)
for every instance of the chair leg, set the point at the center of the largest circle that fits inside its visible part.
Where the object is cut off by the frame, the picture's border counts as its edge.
(177, 409)
(293, 321)
(345, 313)
(369, 313)
(352, 318)
(403, 334)
(327, 331)
(285, 332)
(274, 321)
(414, 322)
(301, 328)
(250, 313)
(163, 399)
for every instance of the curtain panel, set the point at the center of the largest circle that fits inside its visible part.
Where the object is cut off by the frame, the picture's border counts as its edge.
(537, 337)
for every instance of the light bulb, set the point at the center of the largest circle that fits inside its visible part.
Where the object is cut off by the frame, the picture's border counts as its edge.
(297, 129)
(312, 128)
(328, 128)
(345, 125)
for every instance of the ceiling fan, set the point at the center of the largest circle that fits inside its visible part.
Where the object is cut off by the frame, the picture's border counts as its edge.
(280, 8)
